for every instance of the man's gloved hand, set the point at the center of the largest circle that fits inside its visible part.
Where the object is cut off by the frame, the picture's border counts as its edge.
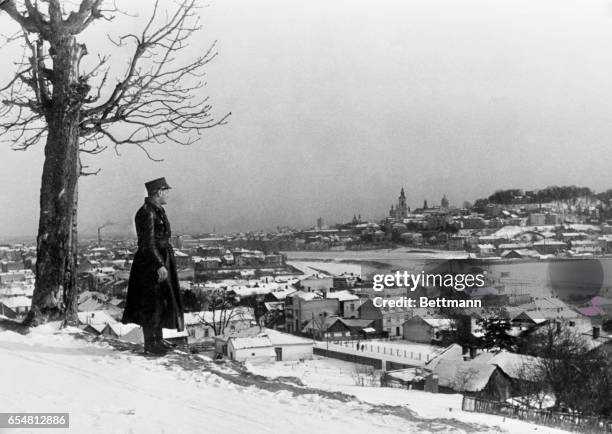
(162, 274)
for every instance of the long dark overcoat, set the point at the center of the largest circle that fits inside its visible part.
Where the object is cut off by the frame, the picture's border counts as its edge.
(150, 302)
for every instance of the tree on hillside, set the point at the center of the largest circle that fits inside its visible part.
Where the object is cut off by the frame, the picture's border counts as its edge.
(55, 99)
(224, 310)
(578, 375)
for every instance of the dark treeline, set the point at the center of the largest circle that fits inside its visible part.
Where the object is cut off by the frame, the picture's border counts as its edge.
(548, 194)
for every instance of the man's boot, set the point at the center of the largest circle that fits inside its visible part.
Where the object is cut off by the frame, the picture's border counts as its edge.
(161, 342)
(151, 344)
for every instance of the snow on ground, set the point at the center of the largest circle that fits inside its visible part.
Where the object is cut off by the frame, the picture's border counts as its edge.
(106, 390)
(374, 255)
(331, 268)
(337, 375)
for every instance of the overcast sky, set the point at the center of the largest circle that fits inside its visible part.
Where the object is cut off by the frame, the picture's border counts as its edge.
(338, 104)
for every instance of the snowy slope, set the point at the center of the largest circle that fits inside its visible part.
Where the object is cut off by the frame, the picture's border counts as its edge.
(107, 387)
(337, 375)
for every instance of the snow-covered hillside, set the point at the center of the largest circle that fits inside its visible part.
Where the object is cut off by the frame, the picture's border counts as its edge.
(108, 387)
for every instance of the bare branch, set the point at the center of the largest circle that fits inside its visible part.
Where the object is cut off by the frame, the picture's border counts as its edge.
(155, 102)
(26, 22)
(89, 11)
(157, 96)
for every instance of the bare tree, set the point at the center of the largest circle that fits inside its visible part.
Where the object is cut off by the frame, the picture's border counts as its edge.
(51, 99)
(224, 311)
(576, 372)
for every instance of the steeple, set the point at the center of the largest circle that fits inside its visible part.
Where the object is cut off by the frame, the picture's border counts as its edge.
(402, 209)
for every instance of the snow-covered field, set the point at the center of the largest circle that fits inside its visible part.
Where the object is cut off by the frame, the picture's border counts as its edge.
(310, 268)
(108, 387)
(341, 376)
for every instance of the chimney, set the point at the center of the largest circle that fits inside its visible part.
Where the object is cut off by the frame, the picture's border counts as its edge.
(595, 332)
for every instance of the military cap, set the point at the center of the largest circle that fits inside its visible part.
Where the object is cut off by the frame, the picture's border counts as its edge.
(156, 184)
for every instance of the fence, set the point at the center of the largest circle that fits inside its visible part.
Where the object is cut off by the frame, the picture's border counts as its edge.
(588, 424)
(200, 347)
(412, 355)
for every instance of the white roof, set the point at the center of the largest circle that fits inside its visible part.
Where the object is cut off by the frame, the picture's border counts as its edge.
(442, 323)
(120, 329)
(516, 366)
(16, 290)
(254, 342)
(464, 376)
(306, 295)
(174, 333)
(283, 293)
(16, 302)
(257, 338)
(343, 295)
(206, 258)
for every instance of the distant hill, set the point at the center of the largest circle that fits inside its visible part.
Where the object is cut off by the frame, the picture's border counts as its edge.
(545, 195)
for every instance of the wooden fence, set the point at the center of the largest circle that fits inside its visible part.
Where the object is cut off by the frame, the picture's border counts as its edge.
(587, 424)
(201, 347)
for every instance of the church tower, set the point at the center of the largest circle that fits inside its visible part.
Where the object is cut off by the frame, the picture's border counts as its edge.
(402, 208)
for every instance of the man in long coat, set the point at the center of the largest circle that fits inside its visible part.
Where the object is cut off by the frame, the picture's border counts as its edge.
(153, 297)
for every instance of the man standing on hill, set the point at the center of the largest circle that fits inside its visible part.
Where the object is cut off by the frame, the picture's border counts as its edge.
(153, 297)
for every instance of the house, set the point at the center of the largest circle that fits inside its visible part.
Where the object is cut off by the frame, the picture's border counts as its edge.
(586, 246)
(334, 327)
(182, 259)
(476, 378)
(20, 305)
(526, 321)
(494, 376)
(485, 249)
(520, 368)
(347, 302)
(206, 263)
(315, 283)
(279, 295)
(8, 312)
(263, 345)
(426, 330)
(302, 307)
(125, 332)
(367, 310)
(274, 260)
(548, 247)
(350, 308)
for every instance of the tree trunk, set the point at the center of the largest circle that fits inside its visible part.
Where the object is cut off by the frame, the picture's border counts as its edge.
(70, 288)
(55, 288)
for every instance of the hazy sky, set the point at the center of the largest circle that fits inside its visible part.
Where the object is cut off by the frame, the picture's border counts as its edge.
(338, 104)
